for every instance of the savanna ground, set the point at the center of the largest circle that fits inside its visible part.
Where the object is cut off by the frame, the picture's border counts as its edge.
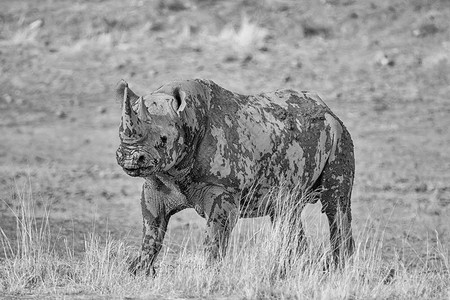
(382, 66)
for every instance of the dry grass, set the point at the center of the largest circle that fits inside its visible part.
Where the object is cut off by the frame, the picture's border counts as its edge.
(258, 265)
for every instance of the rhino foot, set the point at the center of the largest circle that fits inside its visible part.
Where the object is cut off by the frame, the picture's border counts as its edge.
(138, 265)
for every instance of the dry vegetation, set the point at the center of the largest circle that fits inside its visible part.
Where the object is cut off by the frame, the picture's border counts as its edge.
(258, 265)
(69, 217)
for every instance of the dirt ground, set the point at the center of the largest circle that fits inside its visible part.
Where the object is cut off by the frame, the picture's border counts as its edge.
(382, 66)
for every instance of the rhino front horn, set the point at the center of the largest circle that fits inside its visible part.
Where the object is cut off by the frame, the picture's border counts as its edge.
(131, 128)
(120, 90)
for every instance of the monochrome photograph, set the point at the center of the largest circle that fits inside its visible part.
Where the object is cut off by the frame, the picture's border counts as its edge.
(224, 149)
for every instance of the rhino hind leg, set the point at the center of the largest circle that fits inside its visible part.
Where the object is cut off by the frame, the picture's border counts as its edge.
(222, 213)
(337, 182)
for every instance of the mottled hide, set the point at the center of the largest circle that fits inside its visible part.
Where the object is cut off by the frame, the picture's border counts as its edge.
(201, 146)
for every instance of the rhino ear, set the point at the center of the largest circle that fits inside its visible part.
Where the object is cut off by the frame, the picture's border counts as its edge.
(120, 90)
(180, 101)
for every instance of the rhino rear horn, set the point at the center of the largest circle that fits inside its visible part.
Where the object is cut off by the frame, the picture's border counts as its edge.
(120, 90)
(142, 111)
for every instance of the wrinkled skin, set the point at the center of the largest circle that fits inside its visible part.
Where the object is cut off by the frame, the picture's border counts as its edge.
(198, 145)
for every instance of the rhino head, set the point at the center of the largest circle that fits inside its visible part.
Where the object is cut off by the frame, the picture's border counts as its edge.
(150, 131)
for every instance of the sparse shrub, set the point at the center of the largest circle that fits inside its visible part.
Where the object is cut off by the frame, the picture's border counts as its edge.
(27, 34)
(245, 39)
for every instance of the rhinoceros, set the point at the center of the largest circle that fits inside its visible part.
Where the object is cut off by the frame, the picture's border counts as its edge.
(201, 146)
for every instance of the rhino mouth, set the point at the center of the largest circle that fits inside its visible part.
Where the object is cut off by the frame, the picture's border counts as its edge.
(139, 172)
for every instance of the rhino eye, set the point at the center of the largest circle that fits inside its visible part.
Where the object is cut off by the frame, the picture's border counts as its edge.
(162, 142)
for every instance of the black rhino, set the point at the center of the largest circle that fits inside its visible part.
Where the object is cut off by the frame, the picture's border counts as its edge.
(198, 145)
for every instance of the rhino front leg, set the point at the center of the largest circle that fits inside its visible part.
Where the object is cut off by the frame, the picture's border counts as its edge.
(155, 221)
(288, 225)
(289, 221)
(222, 214)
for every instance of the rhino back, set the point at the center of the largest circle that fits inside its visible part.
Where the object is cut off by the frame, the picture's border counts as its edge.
(263, 140)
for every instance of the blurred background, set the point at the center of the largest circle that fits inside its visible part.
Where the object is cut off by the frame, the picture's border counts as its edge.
(382, 66)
